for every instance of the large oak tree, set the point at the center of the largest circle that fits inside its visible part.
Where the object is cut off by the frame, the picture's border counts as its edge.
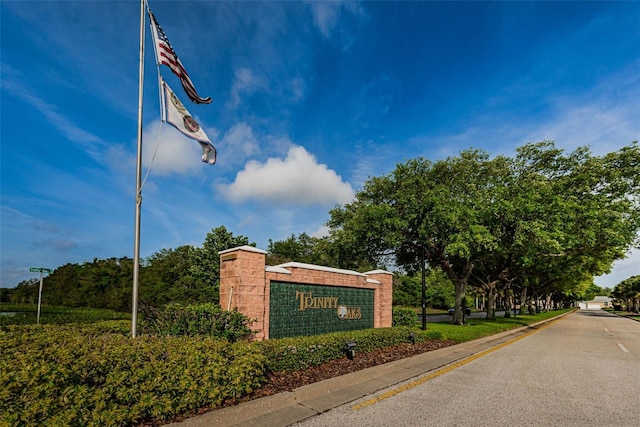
(544, 220)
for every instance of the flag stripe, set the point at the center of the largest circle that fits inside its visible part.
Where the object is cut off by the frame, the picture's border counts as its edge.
(166, 55)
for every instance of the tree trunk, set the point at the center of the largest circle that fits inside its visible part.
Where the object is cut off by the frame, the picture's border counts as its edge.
(523, 298)
(507, 301)
(458, 318)
(491, 303)
(489, 297)
(460, 285)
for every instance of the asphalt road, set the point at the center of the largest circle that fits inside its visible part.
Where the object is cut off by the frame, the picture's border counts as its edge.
(583, 370)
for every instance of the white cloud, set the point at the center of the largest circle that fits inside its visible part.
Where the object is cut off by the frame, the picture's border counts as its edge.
(279, 144)
(169, 152)
(240, 140)
(604, 128)
(237, 145)
(603, 118)
(326, 15)
(373, 158)
(297, 86)
(245, 83)
(13, 82)
(297, 179)
(249, 219)
(321, 232)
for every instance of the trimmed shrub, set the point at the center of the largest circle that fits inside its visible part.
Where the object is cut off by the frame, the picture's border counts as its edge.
(292, 354)
(404, 316)
(96, 375)
(196, 320)
(54, 376)
(121, 327)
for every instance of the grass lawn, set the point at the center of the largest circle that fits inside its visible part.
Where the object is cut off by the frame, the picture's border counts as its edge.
(430, 310)
(630, 315)
(478, 328)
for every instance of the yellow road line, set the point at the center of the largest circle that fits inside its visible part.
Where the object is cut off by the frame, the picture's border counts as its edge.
(447, 368)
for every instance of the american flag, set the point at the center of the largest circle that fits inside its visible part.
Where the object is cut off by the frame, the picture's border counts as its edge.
(167, 56)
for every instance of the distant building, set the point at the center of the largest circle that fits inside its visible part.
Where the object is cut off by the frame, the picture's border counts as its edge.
(598, 303)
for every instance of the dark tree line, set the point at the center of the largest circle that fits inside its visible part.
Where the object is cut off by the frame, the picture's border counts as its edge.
(186, 274)
(627, 294)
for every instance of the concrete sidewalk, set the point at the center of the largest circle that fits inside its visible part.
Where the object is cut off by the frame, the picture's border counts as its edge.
(287, 408)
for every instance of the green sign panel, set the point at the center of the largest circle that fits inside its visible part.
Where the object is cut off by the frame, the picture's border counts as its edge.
(297, 309)
(40, 270)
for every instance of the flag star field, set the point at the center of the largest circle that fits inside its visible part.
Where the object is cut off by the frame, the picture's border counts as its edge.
(310, 99)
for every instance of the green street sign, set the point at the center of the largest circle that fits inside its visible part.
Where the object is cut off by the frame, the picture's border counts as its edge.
(40, 270)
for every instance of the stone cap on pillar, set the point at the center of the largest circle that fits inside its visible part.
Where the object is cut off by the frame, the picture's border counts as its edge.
(377, 272)
(378, 276)
(277, 269)
(289, 265)
(243, 248)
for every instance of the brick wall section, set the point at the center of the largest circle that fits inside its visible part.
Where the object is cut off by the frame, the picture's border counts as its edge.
(383, 297)
(245, 279)
(242, 282)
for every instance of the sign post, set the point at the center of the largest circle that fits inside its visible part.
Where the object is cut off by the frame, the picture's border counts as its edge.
(39, 270)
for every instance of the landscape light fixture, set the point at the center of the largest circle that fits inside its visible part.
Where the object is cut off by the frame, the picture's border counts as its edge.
(412, 338)
(351, 349)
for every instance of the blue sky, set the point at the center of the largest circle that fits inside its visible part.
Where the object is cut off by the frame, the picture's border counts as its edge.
(310, 99)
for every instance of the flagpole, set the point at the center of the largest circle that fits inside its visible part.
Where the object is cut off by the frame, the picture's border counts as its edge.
(136, 242)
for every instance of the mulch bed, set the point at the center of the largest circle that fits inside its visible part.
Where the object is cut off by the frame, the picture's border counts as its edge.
(278, 382)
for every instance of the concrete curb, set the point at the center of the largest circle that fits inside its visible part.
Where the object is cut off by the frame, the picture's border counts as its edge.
(287, 408)
(626, 317)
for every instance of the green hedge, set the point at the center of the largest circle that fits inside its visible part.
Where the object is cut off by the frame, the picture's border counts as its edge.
(69, 375)
(196, 320)
(292, 354)
(96, 375)
(26, 314)
(404, 316)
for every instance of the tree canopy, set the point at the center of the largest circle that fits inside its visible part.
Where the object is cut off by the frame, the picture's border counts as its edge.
(628, 293)
(544, 218)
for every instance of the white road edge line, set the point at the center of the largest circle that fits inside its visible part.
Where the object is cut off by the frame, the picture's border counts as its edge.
(623, 348)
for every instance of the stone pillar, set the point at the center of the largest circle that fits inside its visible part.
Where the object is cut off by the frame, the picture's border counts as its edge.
(383, 316)
(243, 285)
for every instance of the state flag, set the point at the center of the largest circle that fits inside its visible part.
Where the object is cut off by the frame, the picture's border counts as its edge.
(175, 113)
